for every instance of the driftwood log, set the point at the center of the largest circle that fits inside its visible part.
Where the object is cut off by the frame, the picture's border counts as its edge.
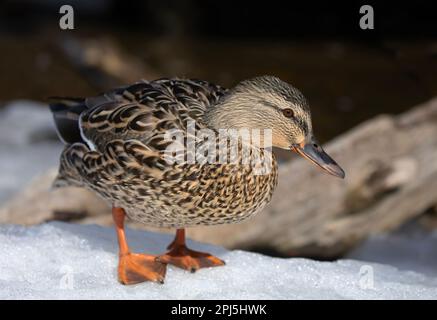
(391, 177)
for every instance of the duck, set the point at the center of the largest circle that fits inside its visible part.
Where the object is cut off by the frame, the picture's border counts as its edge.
(139, 148)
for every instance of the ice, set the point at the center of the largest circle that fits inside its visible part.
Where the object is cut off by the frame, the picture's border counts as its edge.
(28, 145)
(67, 261)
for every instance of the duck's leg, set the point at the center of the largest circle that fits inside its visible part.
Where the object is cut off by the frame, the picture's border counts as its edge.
(134, 267)
(180, 256)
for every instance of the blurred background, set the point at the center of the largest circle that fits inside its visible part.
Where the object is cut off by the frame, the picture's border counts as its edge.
(349, 75)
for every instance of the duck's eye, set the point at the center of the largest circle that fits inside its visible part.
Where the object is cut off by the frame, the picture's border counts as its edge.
(288, 112)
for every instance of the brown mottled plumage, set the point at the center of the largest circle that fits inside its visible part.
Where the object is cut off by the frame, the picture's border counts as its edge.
(123, 160)
(117, 145)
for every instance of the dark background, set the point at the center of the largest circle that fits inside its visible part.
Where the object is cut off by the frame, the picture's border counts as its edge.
(231, 19)
(348, 74)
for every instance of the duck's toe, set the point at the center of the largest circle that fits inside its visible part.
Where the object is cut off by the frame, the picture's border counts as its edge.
(190, 260)
(135, 268)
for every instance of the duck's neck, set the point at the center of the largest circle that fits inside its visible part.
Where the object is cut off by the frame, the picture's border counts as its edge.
(232, 112)
(232, 115)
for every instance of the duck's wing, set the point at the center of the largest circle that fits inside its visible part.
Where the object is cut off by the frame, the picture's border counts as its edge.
(126, 128)
(142, 111)
(146, 111)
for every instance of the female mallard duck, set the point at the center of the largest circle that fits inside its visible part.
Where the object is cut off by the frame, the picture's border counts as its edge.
(117, 143)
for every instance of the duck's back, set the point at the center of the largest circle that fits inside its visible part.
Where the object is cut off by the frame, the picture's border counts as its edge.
(139, 111)
(116, 143)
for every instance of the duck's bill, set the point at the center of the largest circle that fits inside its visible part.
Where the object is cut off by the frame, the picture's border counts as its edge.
(314, 153)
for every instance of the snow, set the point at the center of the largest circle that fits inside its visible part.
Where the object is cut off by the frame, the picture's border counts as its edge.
(28, 145)
(68, 261)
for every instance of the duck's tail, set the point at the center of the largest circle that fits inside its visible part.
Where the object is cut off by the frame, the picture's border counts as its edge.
(66, 113)
(69, 166)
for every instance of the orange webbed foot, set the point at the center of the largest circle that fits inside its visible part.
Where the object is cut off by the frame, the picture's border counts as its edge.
(182, 257)
(135, 268)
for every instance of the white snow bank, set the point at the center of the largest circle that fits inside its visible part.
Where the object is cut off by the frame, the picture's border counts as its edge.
(67, 261)
(28, 144)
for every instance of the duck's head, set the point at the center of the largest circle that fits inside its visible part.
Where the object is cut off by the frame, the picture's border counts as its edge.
(269, 103)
